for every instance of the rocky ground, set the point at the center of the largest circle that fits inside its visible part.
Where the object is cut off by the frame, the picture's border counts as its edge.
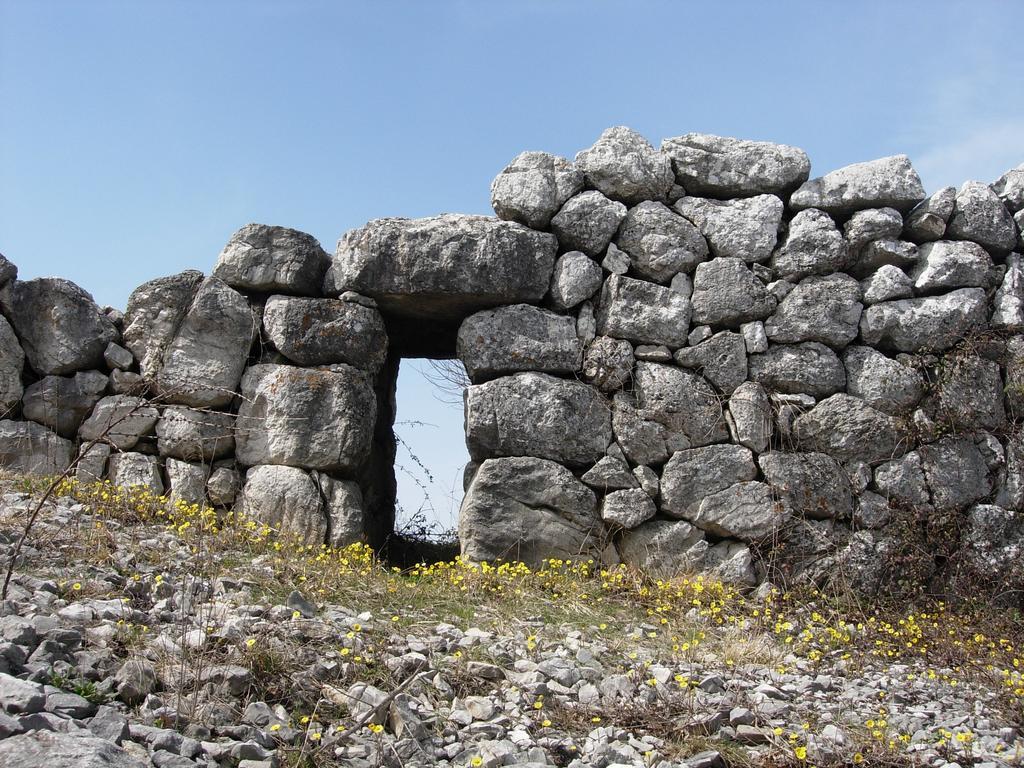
(134, 634)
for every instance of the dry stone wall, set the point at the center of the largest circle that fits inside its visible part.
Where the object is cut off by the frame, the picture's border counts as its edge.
(686, 358)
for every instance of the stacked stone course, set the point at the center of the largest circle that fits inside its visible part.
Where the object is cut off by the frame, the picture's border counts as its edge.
(692, 357)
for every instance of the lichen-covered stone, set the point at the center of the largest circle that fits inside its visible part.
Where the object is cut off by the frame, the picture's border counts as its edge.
(682, 401)
(746, 511)
(120, 420)
(610, 474)
(746, 228)
(575, 278)
(533, 187)
(519, 337)
(534, 414)
(927, 221)
(872, 224)
(968, 394)
(313, 332)
(723, 167)
(880, 381)
(286, 499)
(726, 293)
(809, 368)
(643, 313)
(812, 246)
(627, 508)
(823, 309)
(889, 182)
(664, 548)
(957, 473)
(623, 165)
(268, 259)
(979, 215)
(135, 470)
(691, 475)
(660, 243)
(934, 323)
(889, 283)
(945, 265)
(849, 429)
(588, 222)
(1008, 304)
(811, 484)
(154, 314)
(881, 253)
(608, 364)
(750, 413)
(722, 360)
(189, 434)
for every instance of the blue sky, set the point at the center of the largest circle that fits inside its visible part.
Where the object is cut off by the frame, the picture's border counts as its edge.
(137, 136)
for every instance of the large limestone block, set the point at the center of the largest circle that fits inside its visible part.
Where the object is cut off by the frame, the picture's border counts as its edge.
(690, 476)
(31, 449)
(46, 749)
(154, 314)
(120, 421)
(627, 508)
(664, 548)
(723, 167)
(135, 470)
(588, 222)
(933, 323)
(993, 546)
(968, 394)
(726, 293)
(312, 332)
(268, 259)
(576, 277)
(519, 337)
(12, 363)
(186, 482)
(945, 265)
(746, 511)
(317, 419)
(442, 267)
(722, 359)
(60, 327)
(747, 228)
(811, 484)
(623, 165)
(808, 369)
(643, 313)
(346, 513)
(824, 309)
(878, 254)
(534, 414)
(881, 382)
(927, 221)
(979, 215)
(288, 500)
(902, 481)
(850, 430)
(533, 187)
(63, 403)
(643, 440)
(957, 472)
(194, 435)
(660, 243)
(528, 509)
(872, 224)
(682, 401)
(812, 246)
(889, 182)
(751, 419)
(203, 364)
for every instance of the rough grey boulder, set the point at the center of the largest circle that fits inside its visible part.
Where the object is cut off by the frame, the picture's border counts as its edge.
(750, 416)
(993, 545)
(223, 486)
(682, 401)
(623, 165)
(889, 283)
(346, 514)
(193, 435)
(1010, 188)
(689, 476)
(588, 222)
(154, 314)
(850, 430)
(610, 474)
(823, 309)
(979, 215)
(809, 368)
(186, 482)
(664, 548)
(608, 363)
(660, 243)
(889, 182)
(92, 462)
(443, 267)
(575, 278)
(1008, 304)
(731, 562)
(643, 313)
(62, 403)
(50, 749)
(880, 253)
(519, 337)
(719, 166)
(957, 473)
(135, 470)
(811, 484)
(268, 259)
(746, 228)
(59, 325)
(288, 500)
(203, 364)
(721, 359)
(968, 394)
(812, 246)
(872, 224)
(927, 221)
(28, 448)
(12, 363)
(534, 414)
(117, 357)
(643, 440)
(881, 382)
(627, 508)
(746, 511)
(945, 265)
(120, 420)
(313, 332)
(533, 187)
(903, 481)
(316, 419)
(8, 271)
(934, 323)
(528, 509)
(726, 293)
